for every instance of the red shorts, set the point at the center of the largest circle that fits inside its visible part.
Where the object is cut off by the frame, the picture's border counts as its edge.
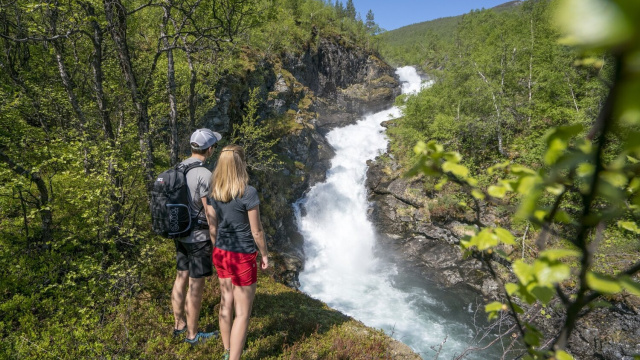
(240, 267)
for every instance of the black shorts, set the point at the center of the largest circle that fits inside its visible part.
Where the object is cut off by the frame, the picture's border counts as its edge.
(195, 257)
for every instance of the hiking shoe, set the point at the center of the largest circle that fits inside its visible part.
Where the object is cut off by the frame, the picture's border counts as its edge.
(178, 332)
(226, 355)
(201, 337)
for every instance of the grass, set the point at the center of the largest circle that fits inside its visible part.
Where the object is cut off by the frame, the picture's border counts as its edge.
(285, 323)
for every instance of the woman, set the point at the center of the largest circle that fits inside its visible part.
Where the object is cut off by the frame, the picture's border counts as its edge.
(234, 218)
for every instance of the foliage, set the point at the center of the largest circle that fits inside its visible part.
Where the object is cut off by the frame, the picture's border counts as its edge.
(588, 182)
(257, 139)
(96, 97)
(504, 83)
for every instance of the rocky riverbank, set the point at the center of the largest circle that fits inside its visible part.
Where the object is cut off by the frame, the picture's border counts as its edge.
(420, 228)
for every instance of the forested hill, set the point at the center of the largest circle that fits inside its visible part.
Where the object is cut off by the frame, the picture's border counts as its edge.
(96, 98)
(409, 45)
(527, 117)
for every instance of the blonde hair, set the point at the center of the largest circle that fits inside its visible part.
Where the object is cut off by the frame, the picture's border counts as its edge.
(230, 177)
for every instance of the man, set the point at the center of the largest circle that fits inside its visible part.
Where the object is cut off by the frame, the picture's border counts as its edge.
(193, 252)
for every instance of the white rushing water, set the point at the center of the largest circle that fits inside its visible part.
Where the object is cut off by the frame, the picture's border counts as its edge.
(343, 270)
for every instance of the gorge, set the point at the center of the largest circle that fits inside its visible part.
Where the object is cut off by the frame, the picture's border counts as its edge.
(347, 267)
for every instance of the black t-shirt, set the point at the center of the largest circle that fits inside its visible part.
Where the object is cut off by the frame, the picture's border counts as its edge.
(234, 231)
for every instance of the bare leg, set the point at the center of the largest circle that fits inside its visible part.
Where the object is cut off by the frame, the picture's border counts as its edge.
(243, 301)
(226, 310)
(194, 301)
(177, 298)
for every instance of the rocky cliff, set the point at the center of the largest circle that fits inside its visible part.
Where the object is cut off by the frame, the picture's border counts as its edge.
(327, 85)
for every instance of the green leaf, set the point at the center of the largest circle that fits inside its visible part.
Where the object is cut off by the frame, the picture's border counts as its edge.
(615, 178)
(585, 169)
(603, 283)
(555, 148)
(540, 214)
(485, 239)
(563, 217)
(420, 148)
(517, 308)
(523, 271)
(630, 285)
(521, 170)
(550, 273)
(497, 191)
(453, 157)
(593, 23)
(562, 355)
(526, 184)
(532, 339)
(456, 169)
(477, 194)
(433, 146)
(543, 293)
(511, 288)
(629, 225)
(505, 236)
(440, 184)
(555, 189)
(557, 141)
(634, 185)
(494, 306)
(556, 254)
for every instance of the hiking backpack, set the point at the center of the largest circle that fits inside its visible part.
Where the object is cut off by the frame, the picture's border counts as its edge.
(170, 203)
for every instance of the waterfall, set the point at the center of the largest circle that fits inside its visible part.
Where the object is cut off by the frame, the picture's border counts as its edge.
(342, 267)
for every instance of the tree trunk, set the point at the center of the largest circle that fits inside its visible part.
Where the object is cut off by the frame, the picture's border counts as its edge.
(98, 75)
(116, 18)
(171, 88)
(114, 216)
(498, 117)
(192, 91)
(530, 71)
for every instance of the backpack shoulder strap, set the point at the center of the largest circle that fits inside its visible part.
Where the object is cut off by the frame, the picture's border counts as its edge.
(187, 168)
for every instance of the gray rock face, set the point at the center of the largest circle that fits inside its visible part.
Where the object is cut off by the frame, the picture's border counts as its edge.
(399, 210)
(347, 81)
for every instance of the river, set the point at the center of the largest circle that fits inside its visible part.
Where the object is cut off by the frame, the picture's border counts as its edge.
(346, 269)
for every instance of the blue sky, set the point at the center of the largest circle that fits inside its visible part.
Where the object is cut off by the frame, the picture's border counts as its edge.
(392, 14)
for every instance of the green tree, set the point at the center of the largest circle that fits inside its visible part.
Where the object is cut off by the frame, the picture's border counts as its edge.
(350, 10)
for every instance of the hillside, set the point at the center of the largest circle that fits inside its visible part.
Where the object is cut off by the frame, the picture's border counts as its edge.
(409, 45)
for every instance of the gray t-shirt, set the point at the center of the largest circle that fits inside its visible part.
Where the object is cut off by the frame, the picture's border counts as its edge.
(199, 183)
(234, 230)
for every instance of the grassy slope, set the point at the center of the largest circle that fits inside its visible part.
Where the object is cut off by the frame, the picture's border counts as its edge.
(285, 323)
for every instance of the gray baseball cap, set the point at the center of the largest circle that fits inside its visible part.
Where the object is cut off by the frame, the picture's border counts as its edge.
(202, 139)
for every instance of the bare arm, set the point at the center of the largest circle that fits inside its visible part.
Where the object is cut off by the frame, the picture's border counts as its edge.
(212, 219)
(258, 235)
